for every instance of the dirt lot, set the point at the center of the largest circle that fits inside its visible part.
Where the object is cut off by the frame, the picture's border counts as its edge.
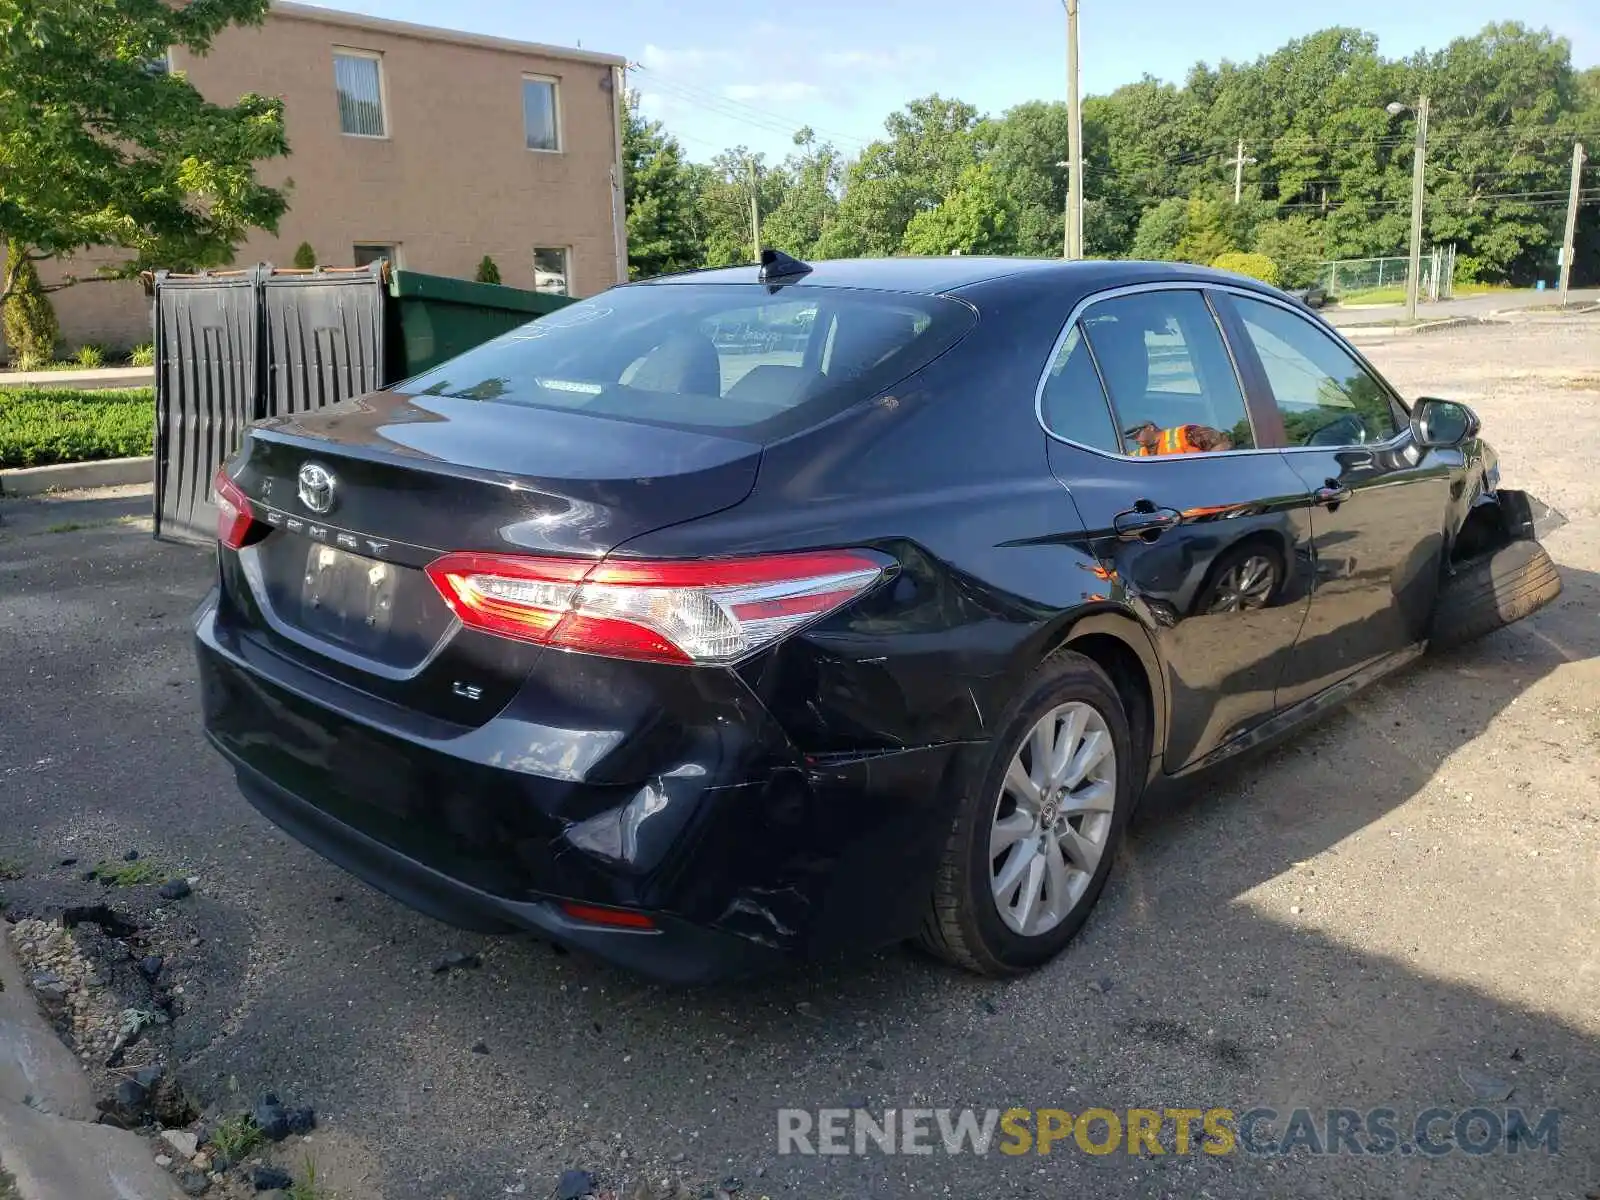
(1399, 909)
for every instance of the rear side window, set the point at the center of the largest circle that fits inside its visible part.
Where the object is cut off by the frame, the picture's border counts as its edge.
(1167, 368)
(733, 359)
(1072, 402)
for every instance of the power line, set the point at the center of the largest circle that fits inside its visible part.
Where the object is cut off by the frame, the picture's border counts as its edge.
(738, 110)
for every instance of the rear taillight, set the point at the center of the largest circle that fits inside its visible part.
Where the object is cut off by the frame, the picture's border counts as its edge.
(233, 511)
(710, 611)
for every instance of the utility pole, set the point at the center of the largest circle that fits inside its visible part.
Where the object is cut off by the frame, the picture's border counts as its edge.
(1239, 160)
(1074, 232)
(1572, 220)
(755, 210)
(1418, 163)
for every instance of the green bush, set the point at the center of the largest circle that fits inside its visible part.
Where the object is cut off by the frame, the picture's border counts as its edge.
(142, 356)
(305, 258)
(1257, 266)
(488, 272)
(90, 357)
(29, 319)
(40, 426)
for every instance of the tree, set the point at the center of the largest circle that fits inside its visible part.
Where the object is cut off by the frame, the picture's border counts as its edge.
(930, 143)
(1257, 266)
(1026, 144)
(99, 149)
(661, 235)
(975, 218)
(305, 258)
(1161, 229)
(1295, 245)
(488, 271)
(810, 201)
(1204, 236)
(27, 318)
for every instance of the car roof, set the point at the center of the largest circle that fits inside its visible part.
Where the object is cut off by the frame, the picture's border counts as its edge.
(936, 276)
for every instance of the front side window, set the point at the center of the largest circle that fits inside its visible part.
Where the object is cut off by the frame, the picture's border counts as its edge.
(1171, 381)
(1326, 397)
(1072, 403)
(358, 80)
(726, 359)
(539, 113)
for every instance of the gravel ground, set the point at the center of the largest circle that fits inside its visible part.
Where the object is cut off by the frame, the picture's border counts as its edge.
(1397, 909)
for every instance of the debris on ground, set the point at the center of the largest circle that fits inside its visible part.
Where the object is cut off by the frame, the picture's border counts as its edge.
(457, 962)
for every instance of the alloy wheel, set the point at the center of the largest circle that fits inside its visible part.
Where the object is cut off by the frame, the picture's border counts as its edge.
(1053, 818)
(1246, 585)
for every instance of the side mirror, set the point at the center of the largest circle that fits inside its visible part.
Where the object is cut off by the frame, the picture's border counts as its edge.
(1437, 424)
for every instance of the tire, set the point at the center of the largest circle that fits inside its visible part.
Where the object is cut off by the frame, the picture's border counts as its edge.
(964, 924)
(1492, 590)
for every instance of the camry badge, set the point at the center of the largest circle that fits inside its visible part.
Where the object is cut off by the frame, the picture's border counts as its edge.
(317, 486)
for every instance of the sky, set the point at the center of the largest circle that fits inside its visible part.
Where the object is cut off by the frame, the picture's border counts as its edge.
(722, 73)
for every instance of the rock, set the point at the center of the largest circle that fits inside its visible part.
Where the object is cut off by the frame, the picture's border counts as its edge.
(131, 856)
(174, 889)
(267, 1179)
(129, 1100)
(183, 1143)
(480, 1047)
(193, 1183)
(678, 1156)
(302, 1120)
(271, 1119)
(1294, 910)
(457, 962)
(1485, 1086)
(988, 1007)
(147, 1078)
(1101, 985)
(732, 1184)
(150, 966)
(45, 979)
(202, 1162)
(875, 1064)
(574, 1185)
(69, 862)
(274, 1194)
(163, 1161)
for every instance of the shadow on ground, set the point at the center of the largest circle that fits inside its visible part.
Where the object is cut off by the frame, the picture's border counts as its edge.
(1427, 940)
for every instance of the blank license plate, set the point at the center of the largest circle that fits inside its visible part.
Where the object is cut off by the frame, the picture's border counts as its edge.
(347, 598)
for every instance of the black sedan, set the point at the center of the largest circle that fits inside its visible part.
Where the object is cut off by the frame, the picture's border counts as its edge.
(780, 611)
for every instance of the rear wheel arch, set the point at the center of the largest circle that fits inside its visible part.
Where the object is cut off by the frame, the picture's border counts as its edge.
(1120, 647)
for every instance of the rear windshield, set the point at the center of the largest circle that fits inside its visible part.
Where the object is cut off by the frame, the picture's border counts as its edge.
(739, 360)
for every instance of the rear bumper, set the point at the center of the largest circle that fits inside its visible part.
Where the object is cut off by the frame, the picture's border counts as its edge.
(744, 852)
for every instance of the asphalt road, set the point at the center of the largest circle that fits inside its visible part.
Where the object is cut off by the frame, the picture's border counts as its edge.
(1468, 306)
(1405, 893)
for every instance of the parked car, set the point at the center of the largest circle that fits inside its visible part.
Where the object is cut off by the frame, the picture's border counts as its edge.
(883, 642)
(1314, 296)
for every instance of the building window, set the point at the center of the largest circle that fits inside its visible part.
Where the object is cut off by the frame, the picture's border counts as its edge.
(550, 270)
(358, 78)
(540, 116)
(367, 253)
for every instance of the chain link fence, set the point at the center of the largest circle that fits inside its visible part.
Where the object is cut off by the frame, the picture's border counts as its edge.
(1351, 278)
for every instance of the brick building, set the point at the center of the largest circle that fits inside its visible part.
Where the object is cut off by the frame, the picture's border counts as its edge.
(425, 146)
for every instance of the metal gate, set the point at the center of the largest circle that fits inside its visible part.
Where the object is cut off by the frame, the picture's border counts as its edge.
(234, 346)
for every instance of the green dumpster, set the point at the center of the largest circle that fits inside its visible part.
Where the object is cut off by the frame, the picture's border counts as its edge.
(432, 317)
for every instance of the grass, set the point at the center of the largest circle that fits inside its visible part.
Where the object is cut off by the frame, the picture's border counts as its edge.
(1397, 294)
(40, 426)
(10, 869)
(128, 874)
(235, 1138)
(8, 1186)
(305, 1188)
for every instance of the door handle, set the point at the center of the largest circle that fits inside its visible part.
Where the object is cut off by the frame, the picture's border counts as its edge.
(1331, 494)
(1145, 521)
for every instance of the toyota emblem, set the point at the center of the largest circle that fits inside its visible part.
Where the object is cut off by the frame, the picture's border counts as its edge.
(317, 486)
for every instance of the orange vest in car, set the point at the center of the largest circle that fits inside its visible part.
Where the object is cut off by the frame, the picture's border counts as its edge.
(1173, 441)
